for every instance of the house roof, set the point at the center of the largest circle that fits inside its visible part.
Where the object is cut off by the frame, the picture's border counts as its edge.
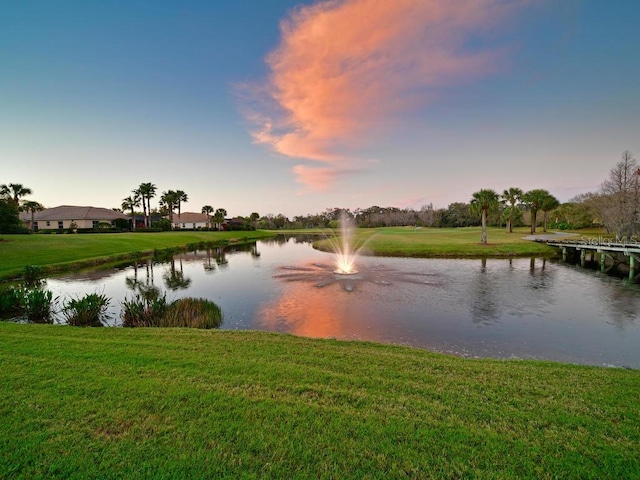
(70, 212)
(190, 217)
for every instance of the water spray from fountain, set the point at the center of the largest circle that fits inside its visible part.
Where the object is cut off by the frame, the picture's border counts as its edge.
(345, 248)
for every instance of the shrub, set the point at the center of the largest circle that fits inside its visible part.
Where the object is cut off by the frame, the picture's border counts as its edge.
(33, 274)
(88, 311)
(163, 224)
(39, 305)
(144, 310)
(10, 301)
(193, 313)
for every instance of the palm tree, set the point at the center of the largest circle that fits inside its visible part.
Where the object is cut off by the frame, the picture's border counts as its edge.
(181, 196)
(32, 207)
(208, 210)
(219, 216)
(147, 191)
(549, 203)
(130, 203)
(534, 200)
(15, 191)
(481, 202)
(511, 196)
(253, 218)
(137, 193)
(169, 200)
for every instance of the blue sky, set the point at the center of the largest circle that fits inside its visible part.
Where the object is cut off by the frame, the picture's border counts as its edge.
(98, 97)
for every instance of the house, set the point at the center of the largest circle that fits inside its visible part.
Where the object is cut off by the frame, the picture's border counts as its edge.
(68, 216)
(190, 220)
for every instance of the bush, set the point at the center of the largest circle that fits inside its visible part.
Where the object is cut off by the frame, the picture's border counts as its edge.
(39, 305)
(122, 224)
(144, 310)
(88, 311)
(193, 313)
(10, 301)
(9, 220)
(33, 274)
(163, 224)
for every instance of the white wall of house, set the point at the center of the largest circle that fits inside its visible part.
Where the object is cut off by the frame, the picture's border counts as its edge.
(189, 225)
(65, 224)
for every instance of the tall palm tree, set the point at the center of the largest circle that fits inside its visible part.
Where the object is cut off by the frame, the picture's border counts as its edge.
(14, 191)
(130, 203)
(208, 210)
(219, 216)
(549, 203)
(534, 200)
(181, 196)
(253, 218)
(137, 193)
(482, 202)
(32, 207)
(147, 191)
(169, 200)
(511, 197)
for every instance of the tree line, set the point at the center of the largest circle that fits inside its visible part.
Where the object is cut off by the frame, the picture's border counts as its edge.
(171, 202)
(615, 206)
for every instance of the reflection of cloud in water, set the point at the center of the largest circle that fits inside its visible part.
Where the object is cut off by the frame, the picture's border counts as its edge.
(323, 275)
(311, 305)
(304, 313)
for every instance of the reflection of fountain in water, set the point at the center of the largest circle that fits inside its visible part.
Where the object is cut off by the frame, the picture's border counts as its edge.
(323, 275)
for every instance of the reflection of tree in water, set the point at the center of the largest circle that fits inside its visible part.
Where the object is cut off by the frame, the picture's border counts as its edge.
(498, 292)
(283, 239)
(144, 287)
(208, 264)
(220, 256)
(174, 279)
(484, 305)
(540, 279)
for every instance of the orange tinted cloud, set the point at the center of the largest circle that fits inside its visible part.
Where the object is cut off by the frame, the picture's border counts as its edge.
(346, 68)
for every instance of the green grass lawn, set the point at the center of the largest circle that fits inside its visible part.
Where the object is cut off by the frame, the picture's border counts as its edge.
(446, 242)
(179, 403)
(18, 251)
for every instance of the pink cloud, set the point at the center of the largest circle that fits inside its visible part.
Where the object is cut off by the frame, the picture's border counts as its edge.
(345, 68)
(320, 178)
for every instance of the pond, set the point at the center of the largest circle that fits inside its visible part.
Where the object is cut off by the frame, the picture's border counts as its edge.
(517, 308)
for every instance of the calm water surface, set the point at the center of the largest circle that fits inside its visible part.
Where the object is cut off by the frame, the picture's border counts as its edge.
(521, 308)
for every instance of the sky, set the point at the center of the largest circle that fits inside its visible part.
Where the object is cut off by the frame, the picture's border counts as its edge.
(292, 107)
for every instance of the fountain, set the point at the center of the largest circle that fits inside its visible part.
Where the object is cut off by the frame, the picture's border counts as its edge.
(344, 248)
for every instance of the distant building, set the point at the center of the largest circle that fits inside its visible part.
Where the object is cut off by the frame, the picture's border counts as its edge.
(190, 220)
(62, 217)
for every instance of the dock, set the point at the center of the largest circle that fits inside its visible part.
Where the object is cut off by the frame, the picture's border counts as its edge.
(607, 252)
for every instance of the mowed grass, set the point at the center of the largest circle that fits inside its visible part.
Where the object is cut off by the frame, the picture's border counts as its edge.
(18, 251)
(178, 403)
(446, 242)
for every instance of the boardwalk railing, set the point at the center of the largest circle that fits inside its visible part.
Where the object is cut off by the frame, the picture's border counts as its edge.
(605, 247)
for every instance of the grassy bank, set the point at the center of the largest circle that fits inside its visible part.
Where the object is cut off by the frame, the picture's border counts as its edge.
(446, 242)
(18, 251)
(173, 403)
